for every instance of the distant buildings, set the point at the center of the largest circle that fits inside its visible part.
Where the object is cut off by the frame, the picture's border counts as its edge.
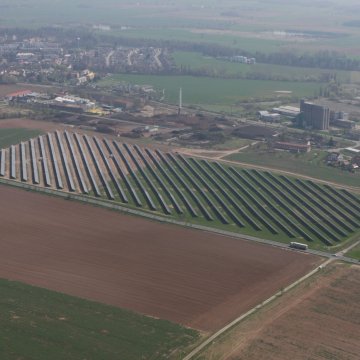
(123, 103)
(289, 111)
(314, 116)
(243, 60)
(265, 116)
(16, 95)
(24, 56)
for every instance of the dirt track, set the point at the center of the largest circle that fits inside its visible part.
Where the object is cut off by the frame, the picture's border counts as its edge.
(194, 278)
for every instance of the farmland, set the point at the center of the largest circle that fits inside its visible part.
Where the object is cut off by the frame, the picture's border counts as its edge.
(41, 324)
(197, 60)
(317, 320)
(249, 202)
(213, 90)
(181, 275)
(16, 135)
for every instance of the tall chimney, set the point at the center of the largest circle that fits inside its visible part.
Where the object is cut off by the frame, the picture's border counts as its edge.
(180, 101)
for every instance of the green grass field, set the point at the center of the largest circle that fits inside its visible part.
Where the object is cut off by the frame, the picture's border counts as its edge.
(40, 324)
(214, 91)
(197, 60)
(354, 253)
(14, 136)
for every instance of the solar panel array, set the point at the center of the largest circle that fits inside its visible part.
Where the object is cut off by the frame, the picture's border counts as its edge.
(12, 162)
(87, 166)
(2, 162)
(147, 179)
(44, 162)
(63, 155)
(99, 169)
(76, 164)
(195, 189)
(55, 163)
(135, 177)
(111, 173)
(23, 167)
(34, 166)
(123, 174)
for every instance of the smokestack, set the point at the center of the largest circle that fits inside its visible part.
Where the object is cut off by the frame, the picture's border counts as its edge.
(78, 43)
(180, 101)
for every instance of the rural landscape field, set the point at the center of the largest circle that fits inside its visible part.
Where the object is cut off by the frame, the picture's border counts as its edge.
(179, 180)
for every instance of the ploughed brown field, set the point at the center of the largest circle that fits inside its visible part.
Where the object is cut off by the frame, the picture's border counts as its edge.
(318, 320)
(194, 278)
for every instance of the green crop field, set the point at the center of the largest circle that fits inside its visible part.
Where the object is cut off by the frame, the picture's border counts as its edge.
(197, 60)
(214, 91)
(40, 324)
(354, 254)
(14, 136)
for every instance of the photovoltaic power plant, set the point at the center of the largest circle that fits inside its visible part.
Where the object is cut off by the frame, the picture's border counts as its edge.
(123, 174)
(147, 179)
(65, 162)
(55, 163)
(251, 202)
(159, 180)
(136, 178)
(12, 162)
(44, 162)
(99, 169)
(87, 166)
(76, 165)
(24, 176)
(111, 173)
(2, 162)
(33, 158)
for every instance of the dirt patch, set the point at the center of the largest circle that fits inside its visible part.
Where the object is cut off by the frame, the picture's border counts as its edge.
(319, 320)
(11, 89)
(195, 278)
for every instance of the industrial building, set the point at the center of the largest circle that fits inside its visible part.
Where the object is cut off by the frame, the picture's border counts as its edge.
(272, 118)
(314, 116)
(123, 103)
(288, 111)
(292, 147)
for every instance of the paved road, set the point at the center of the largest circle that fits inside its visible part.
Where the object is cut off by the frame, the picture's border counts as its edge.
(107, 59)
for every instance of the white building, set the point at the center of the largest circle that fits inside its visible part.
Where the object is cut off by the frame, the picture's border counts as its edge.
(24, 56)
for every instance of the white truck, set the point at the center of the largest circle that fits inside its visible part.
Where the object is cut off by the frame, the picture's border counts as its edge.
(298, 246)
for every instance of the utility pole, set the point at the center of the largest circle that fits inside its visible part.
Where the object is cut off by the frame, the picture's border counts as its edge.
(180, 101)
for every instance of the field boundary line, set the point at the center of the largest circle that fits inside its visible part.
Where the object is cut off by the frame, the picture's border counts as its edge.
(167, 220)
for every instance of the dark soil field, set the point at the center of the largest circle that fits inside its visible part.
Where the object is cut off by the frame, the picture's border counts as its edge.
(11, 89)
(318, 320)
(194, 278)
